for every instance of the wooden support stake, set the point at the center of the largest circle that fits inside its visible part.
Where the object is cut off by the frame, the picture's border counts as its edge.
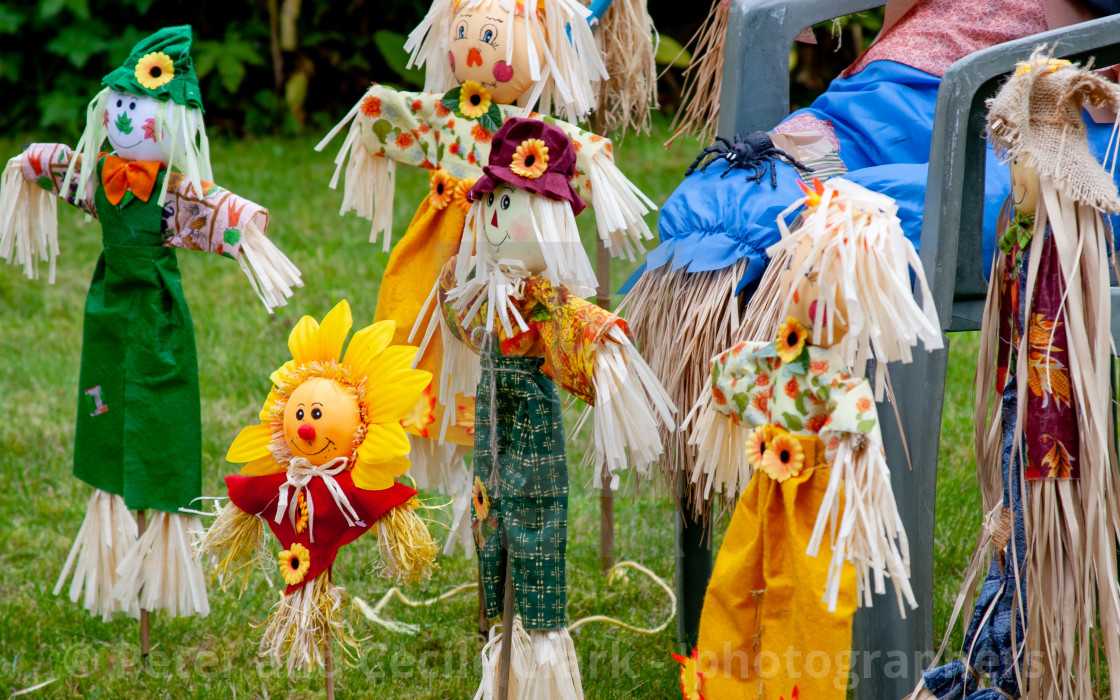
(606, 495)
(328, 664)
(507, 633)
(145, 623)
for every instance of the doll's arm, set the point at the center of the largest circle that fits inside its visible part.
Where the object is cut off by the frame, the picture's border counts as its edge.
(408, 552)
(619, 205)
(28, 207)
(388, 127)
(221, 222)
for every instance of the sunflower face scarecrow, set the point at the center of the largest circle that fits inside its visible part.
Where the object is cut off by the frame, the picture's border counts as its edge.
(1045, 430)
(138, 437)
(513, 326)
(320, 470)
(485, 61)
(813, 454)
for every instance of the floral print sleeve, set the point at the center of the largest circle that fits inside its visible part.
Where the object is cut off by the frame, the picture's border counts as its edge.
(45, 164)
(215, 222)
(742, 382)
(418, 129)
(849, 402)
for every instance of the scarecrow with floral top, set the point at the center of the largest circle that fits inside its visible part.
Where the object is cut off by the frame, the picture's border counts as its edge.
(1048, 612)
(486, 61)
(138, 440)
(514, 325)
(320, 470)
(816, 531)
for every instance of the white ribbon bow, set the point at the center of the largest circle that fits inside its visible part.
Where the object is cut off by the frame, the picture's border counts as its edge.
(300, 474)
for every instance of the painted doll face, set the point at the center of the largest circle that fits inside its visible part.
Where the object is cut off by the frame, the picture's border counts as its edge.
(1024, 187)
(477, 51)
(805, 305)
(131, 122)
(320, 420)
(508, 227)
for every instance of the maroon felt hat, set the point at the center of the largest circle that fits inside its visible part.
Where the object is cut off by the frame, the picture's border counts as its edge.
(533, 156)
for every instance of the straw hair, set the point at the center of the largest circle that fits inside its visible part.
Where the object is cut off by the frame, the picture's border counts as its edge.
(188, 148)
(699, 111)
(627, 41)
(565, 78)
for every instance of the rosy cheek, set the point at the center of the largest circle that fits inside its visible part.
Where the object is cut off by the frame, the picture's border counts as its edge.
(451, 57)
(503, 72)
(520, 230)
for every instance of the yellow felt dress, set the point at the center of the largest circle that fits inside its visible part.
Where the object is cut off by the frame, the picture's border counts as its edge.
(776, 617)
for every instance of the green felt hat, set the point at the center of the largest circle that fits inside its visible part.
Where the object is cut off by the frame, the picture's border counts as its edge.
(160, 66)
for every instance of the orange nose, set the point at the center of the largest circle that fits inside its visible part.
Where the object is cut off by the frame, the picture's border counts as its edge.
(307, 432)
(474, 57)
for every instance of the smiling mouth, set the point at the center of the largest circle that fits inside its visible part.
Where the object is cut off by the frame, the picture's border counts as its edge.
(491, 242)
(330, 443)
(131, 145)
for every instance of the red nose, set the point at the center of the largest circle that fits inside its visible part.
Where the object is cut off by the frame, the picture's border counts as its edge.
(494, 220)
(306, 431)
(474, 57)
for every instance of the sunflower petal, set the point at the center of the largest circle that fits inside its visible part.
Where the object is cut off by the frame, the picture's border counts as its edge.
(262, 467)
(367, 343)
(304, 340)
(383, 442)
(278, 376)
(251, 444)
(333, 332)
(396, 395)
(266, 409)
(391, 359)
(378, 477)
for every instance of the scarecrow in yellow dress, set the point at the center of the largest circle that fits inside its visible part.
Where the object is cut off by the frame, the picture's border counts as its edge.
(320, 470)
(486, 61)
(816, 531)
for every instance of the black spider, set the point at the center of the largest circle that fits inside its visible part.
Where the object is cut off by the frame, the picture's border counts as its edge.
(753, 153)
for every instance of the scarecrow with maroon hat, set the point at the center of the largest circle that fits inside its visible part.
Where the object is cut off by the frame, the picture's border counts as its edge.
(514, 325)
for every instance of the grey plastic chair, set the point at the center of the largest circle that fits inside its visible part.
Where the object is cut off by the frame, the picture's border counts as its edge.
(891, 652)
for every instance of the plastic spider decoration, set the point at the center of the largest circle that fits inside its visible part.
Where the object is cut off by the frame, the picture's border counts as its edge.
(753, 154)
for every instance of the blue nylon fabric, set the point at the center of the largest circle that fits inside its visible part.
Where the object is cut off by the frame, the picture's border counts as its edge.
(883, 119)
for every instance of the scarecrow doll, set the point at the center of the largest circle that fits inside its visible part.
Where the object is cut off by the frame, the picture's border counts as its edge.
(320, 470)
(1048, 612)
(138, 440)
(513, 326)
(485, 61)
(814, 455)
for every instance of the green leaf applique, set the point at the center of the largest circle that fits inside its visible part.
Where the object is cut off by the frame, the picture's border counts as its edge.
(123, 123)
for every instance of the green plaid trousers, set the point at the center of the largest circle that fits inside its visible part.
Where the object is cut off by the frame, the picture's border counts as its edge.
(530, 503)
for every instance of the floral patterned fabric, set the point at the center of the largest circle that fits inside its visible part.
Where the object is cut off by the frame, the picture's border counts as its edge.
(213, 222)
(415, 128)
(1050, 439)
(563, 329)
(813, 395)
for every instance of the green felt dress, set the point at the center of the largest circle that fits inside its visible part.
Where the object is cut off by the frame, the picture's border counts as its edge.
(139, 432)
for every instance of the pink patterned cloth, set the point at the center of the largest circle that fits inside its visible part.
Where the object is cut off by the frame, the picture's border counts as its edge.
(936, 33)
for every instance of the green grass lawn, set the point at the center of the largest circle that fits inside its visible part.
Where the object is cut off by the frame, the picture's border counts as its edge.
(48, 638)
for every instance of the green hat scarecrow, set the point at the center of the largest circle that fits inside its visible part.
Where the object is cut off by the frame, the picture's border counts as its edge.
(160, 66)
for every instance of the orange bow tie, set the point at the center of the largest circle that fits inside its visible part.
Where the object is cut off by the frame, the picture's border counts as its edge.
(119, 176)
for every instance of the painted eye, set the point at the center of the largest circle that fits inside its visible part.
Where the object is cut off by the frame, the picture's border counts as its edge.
(120, 102)
(490, 200)
(316, 413)
(461, 31)
(299, 414)
(132, 105)
(488, 34)
(505, 201)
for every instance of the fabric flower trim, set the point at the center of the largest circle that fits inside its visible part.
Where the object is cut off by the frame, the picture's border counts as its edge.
(484, 524)
(441, 189)
(757, 443)
(530, 159)
(472, 101)
(691, 675)
(783, 458)
(791, 340)
(294, 564)
(155, 70)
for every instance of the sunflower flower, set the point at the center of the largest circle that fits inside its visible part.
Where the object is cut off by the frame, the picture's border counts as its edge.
(784, 457)
(442, 188)
(301, 523)
(155, 70)
(474, 100)
(791, 340)
(691, 676)
(531, 159)
(462, 190)
(294, 564)
(757, 442)
(480, 500)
